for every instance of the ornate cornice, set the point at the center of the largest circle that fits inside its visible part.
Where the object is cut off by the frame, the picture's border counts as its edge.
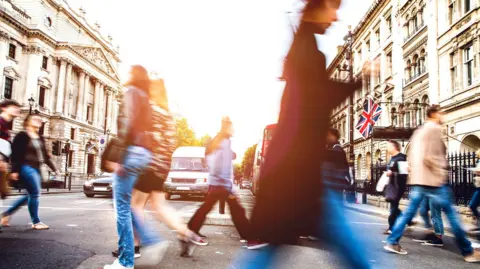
(4, 36)
(33, 49)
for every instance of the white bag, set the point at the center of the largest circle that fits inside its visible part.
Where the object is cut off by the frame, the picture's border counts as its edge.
(5, 148)
(383, 182)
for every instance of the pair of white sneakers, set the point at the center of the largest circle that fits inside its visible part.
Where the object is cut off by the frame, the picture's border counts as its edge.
(151, 256)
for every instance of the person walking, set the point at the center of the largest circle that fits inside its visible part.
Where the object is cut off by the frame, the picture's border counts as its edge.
(134, 130)
(428, 175)
(220, 156)
(475, 202)
(397, 182)
(433, 233)
(149, 187)
(28, 155)
(292, 200)
(10, 109)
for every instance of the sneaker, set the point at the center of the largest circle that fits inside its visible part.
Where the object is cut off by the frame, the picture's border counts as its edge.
(387, 232)
(425, 238)
(116, 265)
(474, 257)
(40, 226)
(187, 248)
(153, 255)
(438, 242)
(200, 242)
(254, 244)
(136, 255)
(395, 249)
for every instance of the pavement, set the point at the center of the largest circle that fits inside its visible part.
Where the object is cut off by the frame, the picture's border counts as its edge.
(73, 189)
(384, 213)
(82, 236)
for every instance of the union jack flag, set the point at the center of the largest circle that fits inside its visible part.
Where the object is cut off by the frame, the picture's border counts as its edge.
(368, 118)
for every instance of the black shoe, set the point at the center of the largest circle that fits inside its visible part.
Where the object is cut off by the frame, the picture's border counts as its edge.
(186, 248)
(425, 238)
(136, 255)
(438, 242)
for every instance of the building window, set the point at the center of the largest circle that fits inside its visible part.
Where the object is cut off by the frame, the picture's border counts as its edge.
(41, 97)
(452, 16)
(454, 71)
(70, 158)
(367, 46)
(12, 50)
(468, 64)
(377, 73)
(8, 90)
(377, 37)
(45, 62)
(389, 64)
(72, 133)
(89, 113)
(468, 5)
(388, 21)
(407, 119)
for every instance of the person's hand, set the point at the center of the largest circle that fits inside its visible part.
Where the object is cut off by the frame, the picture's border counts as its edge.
(14, 176)
(111, 166)
(389, 173)
(3, 166)
(119, 169)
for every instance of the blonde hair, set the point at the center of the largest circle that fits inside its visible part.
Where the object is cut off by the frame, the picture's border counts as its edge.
(158, 93)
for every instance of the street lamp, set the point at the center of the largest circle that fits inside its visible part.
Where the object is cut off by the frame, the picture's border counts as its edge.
(67, 151)
(31, 102)
(349, 68)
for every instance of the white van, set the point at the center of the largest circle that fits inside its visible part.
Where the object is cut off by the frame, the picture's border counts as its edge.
(188, 173)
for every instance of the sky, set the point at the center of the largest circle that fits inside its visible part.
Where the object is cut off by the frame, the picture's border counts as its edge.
(217, 57)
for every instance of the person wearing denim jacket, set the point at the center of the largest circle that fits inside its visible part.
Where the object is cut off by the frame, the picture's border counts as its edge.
(134, 127)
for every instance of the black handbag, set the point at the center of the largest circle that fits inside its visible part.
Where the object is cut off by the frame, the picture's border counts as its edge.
(114, 152)
(392, 190)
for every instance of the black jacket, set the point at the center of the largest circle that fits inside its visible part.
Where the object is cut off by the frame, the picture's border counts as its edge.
(23, 153)
(290, 185)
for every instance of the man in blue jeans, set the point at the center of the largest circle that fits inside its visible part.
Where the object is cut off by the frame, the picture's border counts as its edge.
(431, 238)
(428, 168)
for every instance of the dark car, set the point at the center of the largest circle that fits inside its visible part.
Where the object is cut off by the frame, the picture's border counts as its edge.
(99, 185)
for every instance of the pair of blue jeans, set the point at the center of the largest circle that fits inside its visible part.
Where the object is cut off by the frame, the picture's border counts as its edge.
(333, 230)
(442, 197)
(32, 180)
(135, 161)
(475, 202)
(436, 215)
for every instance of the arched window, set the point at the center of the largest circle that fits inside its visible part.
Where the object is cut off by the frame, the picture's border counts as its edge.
(359, 166)
(407, 70)
(417, 120)
(416, 68)
(421, 61)
(425, 104)
(368, 165)
(470, 143)
(378, 156)
(407, 26)
(415, 20)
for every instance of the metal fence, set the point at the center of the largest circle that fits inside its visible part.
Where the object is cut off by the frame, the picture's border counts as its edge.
(460, 178)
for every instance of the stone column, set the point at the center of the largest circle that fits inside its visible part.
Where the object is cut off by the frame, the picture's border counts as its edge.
(61, 87)
(81, 95)
(86, 94)
(96, 102)
(101, 107)
(34, 63)
(4, 39)
(110, 97)
(68, 91)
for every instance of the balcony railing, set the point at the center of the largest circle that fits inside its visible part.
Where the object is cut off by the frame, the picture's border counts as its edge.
(417, 74)
(416, 29)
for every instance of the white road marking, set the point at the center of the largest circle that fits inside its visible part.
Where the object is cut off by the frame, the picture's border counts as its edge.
(370, 223)
(72, 225)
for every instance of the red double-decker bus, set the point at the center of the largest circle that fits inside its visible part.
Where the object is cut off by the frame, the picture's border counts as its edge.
(260, 154)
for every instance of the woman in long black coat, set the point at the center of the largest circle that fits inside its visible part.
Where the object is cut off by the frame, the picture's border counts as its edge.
(288, 203)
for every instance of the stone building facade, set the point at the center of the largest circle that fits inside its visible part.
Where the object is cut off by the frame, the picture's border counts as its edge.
(52, 56)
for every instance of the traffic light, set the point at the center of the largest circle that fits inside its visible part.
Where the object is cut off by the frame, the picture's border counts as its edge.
(57, 148)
